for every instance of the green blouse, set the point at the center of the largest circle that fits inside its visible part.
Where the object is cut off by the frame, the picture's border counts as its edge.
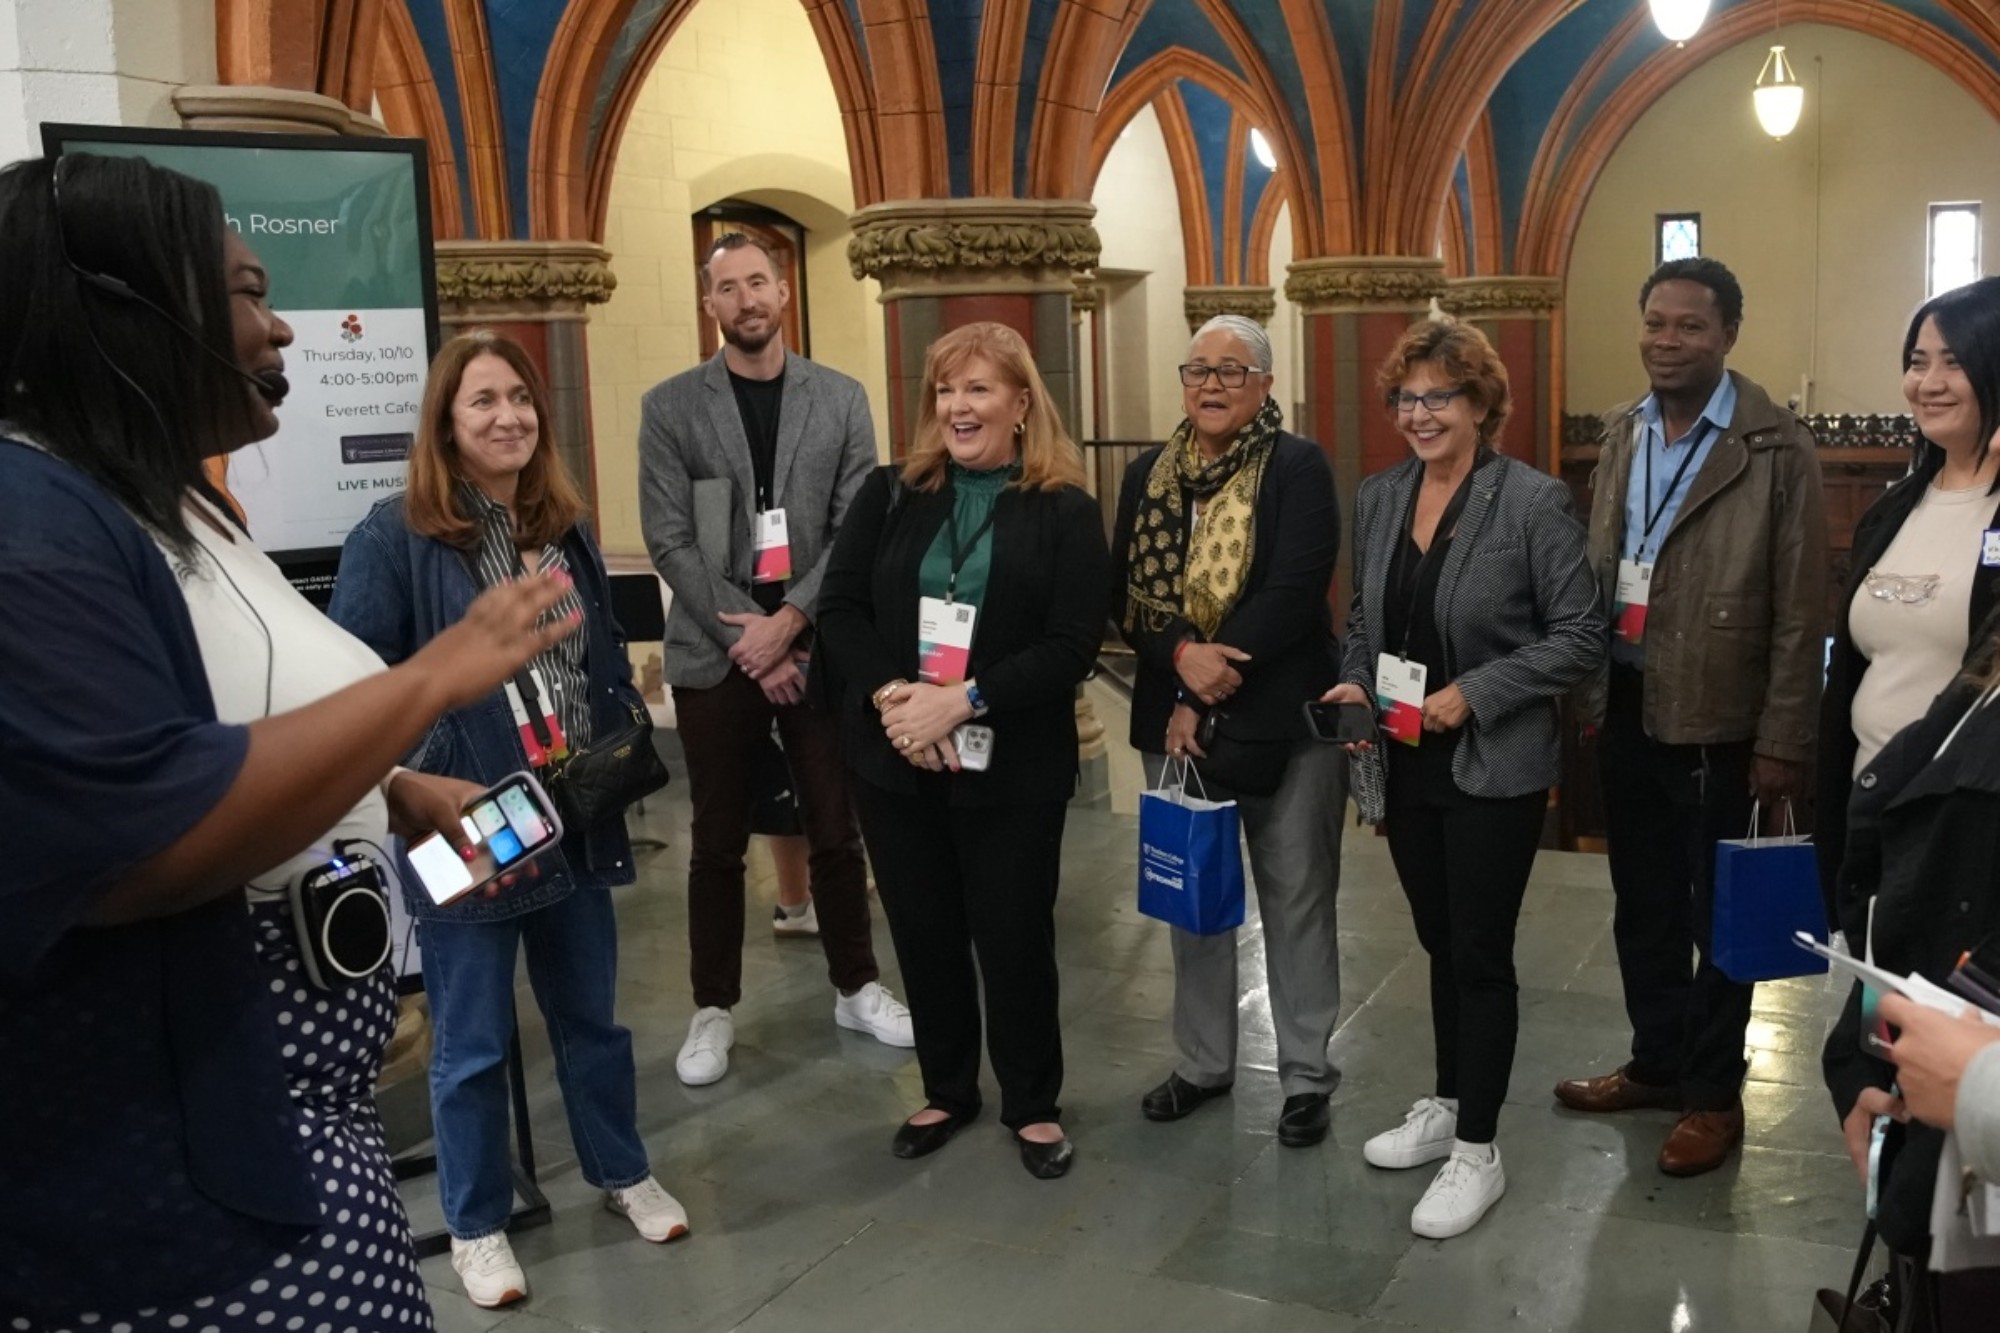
(972, 497)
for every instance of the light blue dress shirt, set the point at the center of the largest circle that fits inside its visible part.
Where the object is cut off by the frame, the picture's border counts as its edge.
(1661, 500)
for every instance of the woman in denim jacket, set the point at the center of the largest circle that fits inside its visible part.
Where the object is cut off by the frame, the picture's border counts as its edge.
(488, 498)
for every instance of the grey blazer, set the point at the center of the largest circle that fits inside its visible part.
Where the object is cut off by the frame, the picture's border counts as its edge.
(1517, 609)
(690, 436)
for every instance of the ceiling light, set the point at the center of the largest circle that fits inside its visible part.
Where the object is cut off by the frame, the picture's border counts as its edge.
(1779, 96)
(1679, 20)
(1260, 148)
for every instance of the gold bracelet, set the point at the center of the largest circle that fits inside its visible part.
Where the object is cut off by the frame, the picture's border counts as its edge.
(881, 694)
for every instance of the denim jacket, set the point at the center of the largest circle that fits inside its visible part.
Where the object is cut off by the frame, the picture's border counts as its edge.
(397, 590)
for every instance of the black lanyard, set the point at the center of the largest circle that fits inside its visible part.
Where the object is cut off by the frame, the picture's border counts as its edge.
(960, 553)
(1647, 506)
(1446, 526)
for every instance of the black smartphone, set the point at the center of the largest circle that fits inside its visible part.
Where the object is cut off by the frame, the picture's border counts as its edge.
(1342, 724)
(509, 824)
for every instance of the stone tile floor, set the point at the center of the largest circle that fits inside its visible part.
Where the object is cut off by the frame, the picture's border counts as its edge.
(803, 1221)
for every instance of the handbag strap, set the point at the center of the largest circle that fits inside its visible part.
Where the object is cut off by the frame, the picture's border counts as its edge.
(1860, 1270)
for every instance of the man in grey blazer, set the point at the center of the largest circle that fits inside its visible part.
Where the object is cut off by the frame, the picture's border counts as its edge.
(747, 463)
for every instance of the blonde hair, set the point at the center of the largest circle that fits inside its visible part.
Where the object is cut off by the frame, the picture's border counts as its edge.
(546, 503)
(1049, 458)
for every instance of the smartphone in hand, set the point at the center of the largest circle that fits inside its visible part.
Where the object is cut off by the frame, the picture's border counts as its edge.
(1342, 724)
(509, 824)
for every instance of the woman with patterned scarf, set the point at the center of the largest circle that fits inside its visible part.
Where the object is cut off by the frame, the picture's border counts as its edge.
(1224, 551)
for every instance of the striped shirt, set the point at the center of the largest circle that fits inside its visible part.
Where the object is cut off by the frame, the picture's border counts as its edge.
(499, 559)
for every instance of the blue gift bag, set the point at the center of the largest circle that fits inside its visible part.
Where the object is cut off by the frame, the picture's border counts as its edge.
(1190, 857)
(1766, 889)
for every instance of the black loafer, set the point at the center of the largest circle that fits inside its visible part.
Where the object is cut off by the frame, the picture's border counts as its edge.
(1046, 1161)
(914, 1141)
(1177, 1097)
(1304, 1120)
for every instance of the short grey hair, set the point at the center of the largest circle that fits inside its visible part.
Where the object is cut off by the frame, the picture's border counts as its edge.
(1246, 331)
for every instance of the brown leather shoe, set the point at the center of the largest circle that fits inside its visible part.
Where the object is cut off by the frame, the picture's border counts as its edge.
(1614, 1092)
(1701, 1141)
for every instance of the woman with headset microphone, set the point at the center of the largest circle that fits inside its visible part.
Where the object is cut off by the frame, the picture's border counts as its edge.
(189, 1137)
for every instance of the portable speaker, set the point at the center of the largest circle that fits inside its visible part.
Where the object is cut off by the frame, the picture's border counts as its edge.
(341, 913)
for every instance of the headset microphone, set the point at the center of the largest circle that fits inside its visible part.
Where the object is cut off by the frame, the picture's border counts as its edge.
(271, 385)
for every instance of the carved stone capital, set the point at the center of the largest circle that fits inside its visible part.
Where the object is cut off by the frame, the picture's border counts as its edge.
(1087, 296)
(1201, 304)
(1502, 294)
(951, 247)
(269, 111)
(521, 280)
(1365, 282)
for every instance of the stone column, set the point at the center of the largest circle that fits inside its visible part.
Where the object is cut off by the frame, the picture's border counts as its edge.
(538, 293)
(1520, 316)
(947, 262)
(1353, 309)
(1201, 304)
(1086, 306)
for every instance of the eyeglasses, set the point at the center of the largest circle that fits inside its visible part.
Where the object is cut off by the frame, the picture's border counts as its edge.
(1434, 401)
(1909, 589)
(1230, 377)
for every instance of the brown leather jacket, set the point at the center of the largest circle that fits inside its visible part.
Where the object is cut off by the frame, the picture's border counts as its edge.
(1736, 623)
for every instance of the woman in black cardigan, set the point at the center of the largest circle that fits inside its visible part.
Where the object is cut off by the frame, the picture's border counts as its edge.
(1225, 548)
(1921, 579)
(985, 539)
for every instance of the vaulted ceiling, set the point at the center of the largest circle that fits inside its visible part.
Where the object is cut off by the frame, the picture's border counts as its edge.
(1393, 122)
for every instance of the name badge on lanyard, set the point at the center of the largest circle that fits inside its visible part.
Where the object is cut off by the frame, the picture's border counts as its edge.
(1628, 604)
(774, 548)
(1399, 697)
(539, 755)
(1989, 548)
(944, 640)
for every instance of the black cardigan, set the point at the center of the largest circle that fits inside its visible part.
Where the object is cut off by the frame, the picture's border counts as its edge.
(1925, 846)
(1282, 619)
(1037, 637)
(1846, 666)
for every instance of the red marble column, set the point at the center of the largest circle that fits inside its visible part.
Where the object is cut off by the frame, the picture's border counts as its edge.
(1520, 316)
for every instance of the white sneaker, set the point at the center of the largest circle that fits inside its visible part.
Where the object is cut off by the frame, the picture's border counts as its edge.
(704, 1056)
(805, 923)
(1425, 1135)
(487, 1267)
(657, 1214)
(873, 1010)
(1469, 1183)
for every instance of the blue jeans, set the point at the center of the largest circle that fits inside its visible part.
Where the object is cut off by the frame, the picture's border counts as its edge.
(572, 949)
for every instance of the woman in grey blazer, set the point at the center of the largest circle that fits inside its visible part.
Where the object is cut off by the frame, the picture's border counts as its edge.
(1475, 610)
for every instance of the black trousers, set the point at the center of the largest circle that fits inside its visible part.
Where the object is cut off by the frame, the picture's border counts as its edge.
(1665, 808)
(1464, 868)
(960, 882)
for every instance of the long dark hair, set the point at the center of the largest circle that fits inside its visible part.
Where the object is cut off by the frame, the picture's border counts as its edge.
(99, 380)
(1968, 319)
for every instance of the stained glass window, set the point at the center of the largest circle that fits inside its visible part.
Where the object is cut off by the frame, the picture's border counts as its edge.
(1954, 247)
(1679, 236)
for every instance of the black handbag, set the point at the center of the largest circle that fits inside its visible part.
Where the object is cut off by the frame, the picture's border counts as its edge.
(602, 779)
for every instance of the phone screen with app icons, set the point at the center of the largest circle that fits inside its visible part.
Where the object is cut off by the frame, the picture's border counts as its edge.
(506, 826)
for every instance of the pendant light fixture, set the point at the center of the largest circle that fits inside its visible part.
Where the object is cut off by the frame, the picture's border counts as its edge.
(1678, 20)
(1779, 96)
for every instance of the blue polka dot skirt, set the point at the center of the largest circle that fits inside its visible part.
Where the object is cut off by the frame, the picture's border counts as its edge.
(357, 1273)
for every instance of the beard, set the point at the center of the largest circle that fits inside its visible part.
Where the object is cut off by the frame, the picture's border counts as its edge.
(752, 343)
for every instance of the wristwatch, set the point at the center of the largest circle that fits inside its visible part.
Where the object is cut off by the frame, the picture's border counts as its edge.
(976, 699)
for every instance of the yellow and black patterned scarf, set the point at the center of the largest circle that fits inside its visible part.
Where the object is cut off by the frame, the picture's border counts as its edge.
(1160, 584)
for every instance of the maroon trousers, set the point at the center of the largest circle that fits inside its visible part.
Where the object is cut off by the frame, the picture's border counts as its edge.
(721, 729)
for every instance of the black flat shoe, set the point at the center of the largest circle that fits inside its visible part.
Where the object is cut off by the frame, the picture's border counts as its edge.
(1177, 1097)
(1046, 1161)
(914, 1141)
(1304, 1120)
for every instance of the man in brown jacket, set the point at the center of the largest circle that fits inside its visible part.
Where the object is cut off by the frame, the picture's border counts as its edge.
(1709, 536)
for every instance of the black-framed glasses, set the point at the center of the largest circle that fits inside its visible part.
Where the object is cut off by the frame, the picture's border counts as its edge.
(1434, 401)
(1230, 376)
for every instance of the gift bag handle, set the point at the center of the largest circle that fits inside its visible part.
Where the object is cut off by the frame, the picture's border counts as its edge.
(1791, 824)
(1187, 770)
